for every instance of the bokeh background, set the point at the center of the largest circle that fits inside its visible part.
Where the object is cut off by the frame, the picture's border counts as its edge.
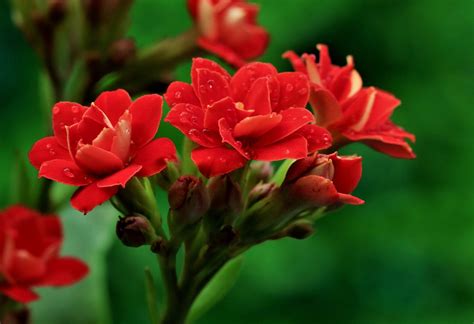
(406, 256)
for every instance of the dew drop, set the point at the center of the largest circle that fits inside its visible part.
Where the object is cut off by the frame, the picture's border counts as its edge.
(202, 89)
(48, 146)
(238, 143)
(75, 120)
(62, 125)
(222, 159)
(192, 131)
(52, 152)
(56, 110)
(210, 84)
(177, 94)
(68, 173)
(289, 87)
(75, 109)
(287, 151)
(303, 91)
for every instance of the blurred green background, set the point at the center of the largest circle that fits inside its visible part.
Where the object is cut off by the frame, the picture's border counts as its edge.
(406, 256)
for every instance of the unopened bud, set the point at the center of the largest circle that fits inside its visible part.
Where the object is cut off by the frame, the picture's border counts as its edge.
(135, 231)
(260, 191)
(261, 171)
(188, 199)
(300, 230)
(225, 194)
(122, 51)
(324, 168)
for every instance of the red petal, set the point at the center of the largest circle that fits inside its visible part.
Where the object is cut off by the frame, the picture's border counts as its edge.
(154, 156)
(224, 108)
(296, 61)
(383, 107)
(87, 198)
(180, 92)
(216, 161)
(189, 119)
(20, 294)
(64, 271)
(294, 90)
(295, 147)
(227, 137)
(401, 150)
(113, 103)
(324, 65)
(210, 87)
(244, 78)
(47, 149)
(120, 178)
(346, 82)
(64, 171)
(258, 98)
(325, 106)
(146, 115)
(222, 51)
(349, 199)
(23, 266)
(292, 120)
(248, 42)
(65, 114)
(256, 126)
(201, 63)
(97, 161)
(318, 138)
(347, 172)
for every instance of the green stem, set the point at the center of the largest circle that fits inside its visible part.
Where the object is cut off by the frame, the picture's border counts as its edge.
(151, 296)
(187, 165)
(44, 197)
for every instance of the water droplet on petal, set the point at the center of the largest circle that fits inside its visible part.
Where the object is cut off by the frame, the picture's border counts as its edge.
(287, 151)
(192, 131)
(52, 152)
(210, 83)
(56, 110)
(202, 89)
(68, 173)
(62, 125)
(75, 120)
(48, 146)
(289, 87)
(177, 94)
(75, 109)
(303, 91)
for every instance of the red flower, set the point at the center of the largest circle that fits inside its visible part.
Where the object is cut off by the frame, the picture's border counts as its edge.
(325, 180)
(229, 29)
(257, 114)
(350, 111)
(29, 254)
(102, 147)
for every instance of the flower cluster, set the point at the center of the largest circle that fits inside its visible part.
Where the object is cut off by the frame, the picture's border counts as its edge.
(29, 254)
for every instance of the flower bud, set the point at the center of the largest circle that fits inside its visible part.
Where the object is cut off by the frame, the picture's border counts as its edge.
(261, 171)
(188, 199)
(135, 231)
(122, 51)
(260, 191)
(300, 230)
(138, 197)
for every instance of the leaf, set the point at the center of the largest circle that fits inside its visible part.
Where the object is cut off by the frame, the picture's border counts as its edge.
(280, 175)
(216, 289)
(88, 238)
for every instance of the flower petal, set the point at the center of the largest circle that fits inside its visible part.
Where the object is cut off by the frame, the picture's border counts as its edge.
(47, 149)
(202, 63)
(64, 171)
(256, 126)
(224, 108)
(316, 190)
(211, 86)
(221, 50)
(244, 78)
(292, 120)
(227, 136)
(87, 198)
(180, 92)
(146, 115)
(113, 103)
(325, 106)
(295, 60)
(318, 138)
(154, 156)
(64, 271)
(19, 293)
(258, 98)
(216, 161)
(97, 161)
(65, 114)
(294, 90)
(189, 119)
(347, 172)
(295, 147)
(120, 178)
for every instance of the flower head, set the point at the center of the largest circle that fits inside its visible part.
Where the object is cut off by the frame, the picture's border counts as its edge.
(325, 180)
(228, 28)
(352, 112)
(29, 254)
(258, 114)
(101, 147)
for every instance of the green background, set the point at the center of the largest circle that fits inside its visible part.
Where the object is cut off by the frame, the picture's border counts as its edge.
(406, 256)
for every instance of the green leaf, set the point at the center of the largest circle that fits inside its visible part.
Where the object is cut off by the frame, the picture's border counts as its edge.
(216, 289)
(88, 238)
(280, 175)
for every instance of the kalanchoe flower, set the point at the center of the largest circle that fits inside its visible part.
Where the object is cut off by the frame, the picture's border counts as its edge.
(352, 112)
(325, 180)
(29, 254)
(258, 114)
(102, 147)
(228, 28)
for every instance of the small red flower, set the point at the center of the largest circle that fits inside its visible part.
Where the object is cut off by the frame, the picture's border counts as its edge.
(349, 110)
(325, 180)
(29, 254)
(229, 29)
(257, 114)
(102, 147)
